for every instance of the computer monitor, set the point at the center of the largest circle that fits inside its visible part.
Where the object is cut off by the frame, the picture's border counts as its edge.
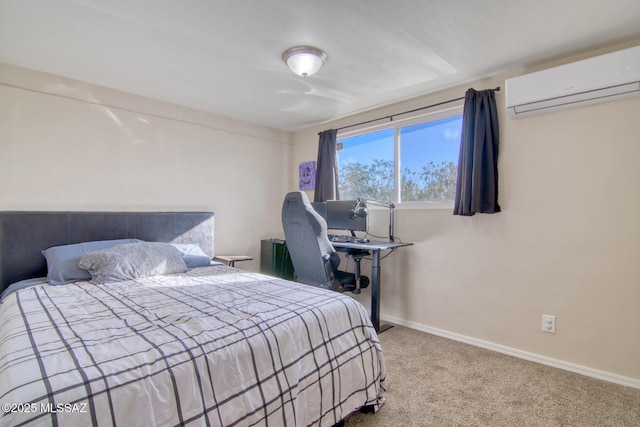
(341, 216)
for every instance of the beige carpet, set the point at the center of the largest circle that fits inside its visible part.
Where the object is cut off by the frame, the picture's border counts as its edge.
(434, 381)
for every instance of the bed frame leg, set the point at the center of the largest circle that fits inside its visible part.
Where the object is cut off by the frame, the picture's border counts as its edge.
(367, 409)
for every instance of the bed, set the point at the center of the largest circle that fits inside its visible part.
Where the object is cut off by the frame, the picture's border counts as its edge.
(209, 345)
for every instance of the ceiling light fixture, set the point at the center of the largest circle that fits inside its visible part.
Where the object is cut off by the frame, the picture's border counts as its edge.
(304, 60)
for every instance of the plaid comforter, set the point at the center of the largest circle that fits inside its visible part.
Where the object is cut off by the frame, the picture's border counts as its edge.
(214, 346)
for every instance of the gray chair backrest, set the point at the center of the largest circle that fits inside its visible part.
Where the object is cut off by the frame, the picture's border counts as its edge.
(305, 232)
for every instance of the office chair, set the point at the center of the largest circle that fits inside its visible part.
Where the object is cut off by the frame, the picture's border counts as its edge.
(315, 261)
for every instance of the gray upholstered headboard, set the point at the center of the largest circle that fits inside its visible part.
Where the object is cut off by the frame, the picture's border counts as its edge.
(24, 234)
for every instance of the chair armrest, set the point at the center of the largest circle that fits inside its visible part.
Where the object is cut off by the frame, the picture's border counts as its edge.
(328, 268)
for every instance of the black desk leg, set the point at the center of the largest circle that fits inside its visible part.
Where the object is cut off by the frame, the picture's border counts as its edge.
(375, 294)
(375, 290)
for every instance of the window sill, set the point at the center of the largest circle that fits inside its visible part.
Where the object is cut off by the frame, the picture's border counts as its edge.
(415, 205)
(425, 206)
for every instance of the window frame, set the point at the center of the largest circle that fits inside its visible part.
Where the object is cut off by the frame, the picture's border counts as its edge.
(397, 125)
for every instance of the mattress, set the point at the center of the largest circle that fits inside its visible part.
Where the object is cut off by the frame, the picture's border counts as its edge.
(213, 346)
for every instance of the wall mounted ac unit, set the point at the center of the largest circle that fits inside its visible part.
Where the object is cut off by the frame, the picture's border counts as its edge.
(598, 79)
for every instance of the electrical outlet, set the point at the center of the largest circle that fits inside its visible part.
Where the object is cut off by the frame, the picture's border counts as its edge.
(549, 323)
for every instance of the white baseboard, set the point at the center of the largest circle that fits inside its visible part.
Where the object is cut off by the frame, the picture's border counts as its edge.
(578, 369)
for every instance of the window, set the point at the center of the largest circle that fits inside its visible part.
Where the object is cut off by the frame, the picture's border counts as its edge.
(411, 161)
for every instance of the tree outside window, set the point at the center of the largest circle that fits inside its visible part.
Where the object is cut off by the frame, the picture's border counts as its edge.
(424, 170)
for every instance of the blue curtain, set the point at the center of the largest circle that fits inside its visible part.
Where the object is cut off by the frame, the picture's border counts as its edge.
(327, 168)
(477, 183)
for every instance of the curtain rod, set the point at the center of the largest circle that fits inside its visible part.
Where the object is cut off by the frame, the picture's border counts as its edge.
(390, 117)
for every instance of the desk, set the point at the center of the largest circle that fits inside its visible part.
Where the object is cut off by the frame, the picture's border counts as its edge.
(375, 248)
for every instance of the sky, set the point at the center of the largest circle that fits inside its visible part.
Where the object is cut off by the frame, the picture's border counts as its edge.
(438, 141)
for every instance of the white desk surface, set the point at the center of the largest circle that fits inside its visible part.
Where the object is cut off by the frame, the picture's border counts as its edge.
(372, 245)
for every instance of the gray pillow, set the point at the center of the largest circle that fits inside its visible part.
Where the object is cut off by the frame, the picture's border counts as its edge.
(132, 261)
(188, 249)
(192, 255)
(62, 261)
(194, 261)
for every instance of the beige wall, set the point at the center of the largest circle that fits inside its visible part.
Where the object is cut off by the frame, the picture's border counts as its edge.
(67, 145)
(567, 242)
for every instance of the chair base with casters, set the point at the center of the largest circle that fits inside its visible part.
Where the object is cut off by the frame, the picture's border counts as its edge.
(315, 261)
(344, 281)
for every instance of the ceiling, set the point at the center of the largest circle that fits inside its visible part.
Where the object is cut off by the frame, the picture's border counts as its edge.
(224, 56)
